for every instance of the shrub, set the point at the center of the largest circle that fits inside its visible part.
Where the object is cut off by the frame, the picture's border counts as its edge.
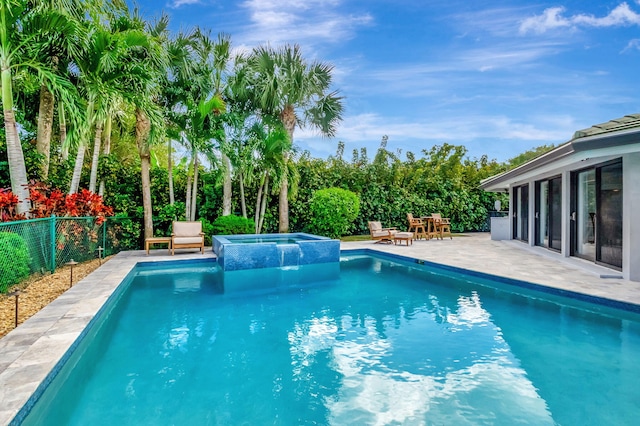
(14, 260)
(333, 211)
(230, 225)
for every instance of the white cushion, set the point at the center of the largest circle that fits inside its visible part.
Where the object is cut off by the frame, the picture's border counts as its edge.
(187, 240)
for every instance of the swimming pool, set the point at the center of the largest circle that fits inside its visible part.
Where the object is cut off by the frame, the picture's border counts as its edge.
(384, 341)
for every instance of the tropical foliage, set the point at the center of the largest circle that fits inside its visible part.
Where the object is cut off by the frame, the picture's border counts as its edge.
(108, 96)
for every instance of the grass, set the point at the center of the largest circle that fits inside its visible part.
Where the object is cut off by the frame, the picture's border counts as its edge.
(348, 238)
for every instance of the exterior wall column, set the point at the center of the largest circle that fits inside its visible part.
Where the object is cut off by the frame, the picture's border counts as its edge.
(512, 201)
(630, 209)
(565, 234)
(532, 213)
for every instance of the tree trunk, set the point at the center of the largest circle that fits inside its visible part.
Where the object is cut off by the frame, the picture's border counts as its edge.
(106, 148)
(194, 191)
(97, 140)
(226, 188)
(288, 118)
(62, 120)
(142, 135)
(243, 204)
(172, 198)
(187, 213)
(45, 126)
(263, 206)
(17, 168)
(77, 169)
(15, 156)
(283, 206)
(256, 216)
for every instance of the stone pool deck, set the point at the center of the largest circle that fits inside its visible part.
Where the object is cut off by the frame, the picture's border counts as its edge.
(28, 353)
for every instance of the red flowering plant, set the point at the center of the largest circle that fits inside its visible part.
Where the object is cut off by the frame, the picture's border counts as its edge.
(46, 201)
(8, 203)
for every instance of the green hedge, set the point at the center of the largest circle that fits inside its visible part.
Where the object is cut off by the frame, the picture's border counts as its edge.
(333, 211)
(231, 225)
(14, 260)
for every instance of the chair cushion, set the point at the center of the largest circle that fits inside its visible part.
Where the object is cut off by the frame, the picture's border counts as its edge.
(187, 240)
(187, 229)
(379, 233)
(375, 226)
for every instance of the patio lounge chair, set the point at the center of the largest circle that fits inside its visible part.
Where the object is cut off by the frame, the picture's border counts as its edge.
(442, 225)
(380, 234)
(187, 235)
(416, 225)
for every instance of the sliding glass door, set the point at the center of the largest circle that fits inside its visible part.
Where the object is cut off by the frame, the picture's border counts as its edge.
(548, 214)
(597, 214)
(609, 215)
(520, 218)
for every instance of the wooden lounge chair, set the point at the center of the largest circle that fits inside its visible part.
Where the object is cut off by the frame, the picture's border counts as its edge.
(187, 235)
(416, 225)
(442, 225)
(380, 234)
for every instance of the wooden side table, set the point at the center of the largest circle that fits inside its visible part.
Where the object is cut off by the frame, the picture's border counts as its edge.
(157, 240)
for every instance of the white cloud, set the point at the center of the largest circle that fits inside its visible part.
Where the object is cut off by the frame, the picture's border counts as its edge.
(632, 45)
(174, 4)
(303, 22)
(553, 18)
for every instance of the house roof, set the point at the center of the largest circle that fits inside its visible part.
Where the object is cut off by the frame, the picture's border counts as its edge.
(613, 133)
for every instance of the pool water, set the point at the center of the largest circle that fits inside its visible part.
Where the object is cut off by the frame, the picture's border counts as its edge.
(386, 342)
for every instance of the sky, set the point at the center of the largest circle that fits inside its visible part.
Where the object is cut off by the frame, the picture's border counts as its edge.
(498, 77)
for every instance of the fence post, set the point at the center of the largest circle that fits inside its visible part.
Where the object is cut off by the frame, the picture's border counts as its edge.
(104, 235)
(52, 233)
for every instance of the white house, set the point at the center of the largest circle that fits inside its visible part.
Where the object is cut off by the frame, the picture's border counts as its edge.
(582, 198)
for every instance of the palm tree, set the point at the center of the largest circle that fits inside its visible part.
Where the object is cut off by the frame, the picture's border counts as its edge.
(141, 85)
(272, 140)
(19, 52)
(286, 86)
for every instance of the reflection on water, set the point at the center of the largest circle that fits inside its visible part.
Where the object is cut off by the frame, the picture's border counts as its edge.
(413, 369)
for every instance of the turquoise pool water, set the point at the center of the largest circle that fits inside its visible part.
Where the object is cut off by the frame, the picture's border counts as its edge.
(383, 342)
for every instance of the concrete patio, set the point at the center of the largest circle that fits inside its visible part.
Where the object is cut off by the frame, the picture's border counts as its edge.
(30, 352)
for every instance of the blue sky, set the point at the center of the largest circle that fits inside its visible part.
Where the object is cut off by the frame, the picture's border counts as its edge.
(498, 77)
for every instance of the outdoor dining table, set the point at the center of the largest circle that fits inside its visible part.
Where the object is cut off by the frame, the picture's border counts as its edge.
(430, 226)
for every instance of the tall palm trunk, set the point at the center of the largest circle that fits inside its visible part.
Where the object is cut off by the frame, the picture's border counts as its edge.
(288, 118)
(256, 216)
(45, 126)
(77, 169)
(17, 167)
(106, 148)
(172, 198)
(194, 191)
(226, 187)
(187, 213)
(97, 140)
(263, 204)
(243, 204)
(142, 135)
(62, 122)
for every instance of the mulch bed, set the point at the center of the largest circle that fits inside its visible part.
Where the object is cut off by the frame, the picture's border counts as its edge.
(38, 292)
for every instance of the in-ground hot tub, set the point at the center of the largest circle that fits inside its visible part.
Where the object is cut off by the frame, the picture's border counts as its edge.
(249, 251)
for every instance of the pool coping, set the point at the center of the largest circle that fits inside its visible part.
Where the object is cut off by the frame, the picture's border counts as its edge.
(32, 351)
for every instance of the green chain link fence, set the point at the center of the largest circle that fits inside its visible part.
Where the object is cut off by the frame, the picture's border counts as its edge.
(52, 242)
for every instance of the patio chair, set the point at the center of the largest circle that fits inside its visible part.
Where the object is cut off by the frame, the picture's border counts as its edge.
(442, 225)
(416, 225)
(187, 235)
(380, 234)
